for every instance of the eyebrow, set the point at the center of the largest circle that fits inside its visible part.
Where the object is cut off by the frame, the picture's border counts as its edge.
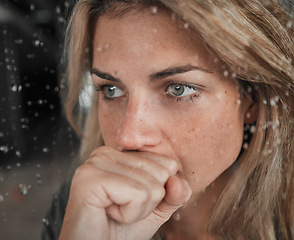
(176, 70)
(156, 76)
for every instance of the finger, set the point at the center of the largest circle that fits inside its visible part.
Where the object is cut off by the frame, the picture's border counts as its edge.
(159, 174)
(178, 192)
(137, 159)
(125, 199)
(126, 163)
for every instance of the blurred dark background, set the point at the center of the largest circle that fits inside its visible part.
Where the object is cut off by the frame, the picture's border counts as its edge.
(37, 146)
(31, 34)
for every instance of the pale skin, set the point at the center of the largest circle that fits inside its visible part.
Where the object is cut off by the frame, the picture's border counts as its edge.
(172, 121)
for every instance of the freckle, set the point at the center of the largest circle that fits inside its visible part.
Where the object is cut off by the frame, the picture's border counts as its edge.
(226, 92)
(193, 172)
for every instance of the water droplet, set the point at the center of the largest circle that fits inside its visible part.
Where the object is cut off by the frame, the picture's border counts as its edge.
(186, 25)
(4, 148)
(40, 101)
(252, 129)
(177, 216)
(18, 153)
(249, 89)
(154, 10)
(18, 41)
(289, 24)
(32, 7)
(39, 182)
(1, 134)
(15, 88)
(274, 101)
(37, 43)
(1, 198)
(30, 56)
(46, 150)
(45, 221)
(23, 188)
(245, 146)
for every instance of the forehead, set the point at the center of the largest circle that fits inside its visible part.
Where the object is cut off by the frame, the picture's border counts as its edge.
(147, 42)
(141, 29)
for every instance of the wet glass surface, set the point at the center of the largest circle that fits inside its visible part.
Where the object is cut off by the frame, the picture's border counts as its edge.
(36, 144)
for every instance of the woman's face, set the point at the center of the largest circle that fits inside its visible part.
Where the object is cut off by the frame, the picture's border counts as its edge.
(160, 91)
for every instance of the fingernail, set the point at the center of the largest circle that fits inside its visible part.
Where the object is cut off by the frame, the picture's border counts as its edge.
(187, 191)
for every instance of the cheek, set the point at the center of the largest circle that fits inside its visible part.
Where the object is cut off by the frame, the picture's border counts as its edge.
(109, 124)
(209, 146)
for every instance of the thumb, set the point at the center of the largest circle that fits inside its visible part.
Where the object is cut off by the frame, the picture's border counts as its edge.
(178, 192)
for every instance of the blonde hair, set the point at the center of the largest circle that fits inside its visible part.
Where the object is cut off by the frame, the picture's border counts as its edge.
(255, 39)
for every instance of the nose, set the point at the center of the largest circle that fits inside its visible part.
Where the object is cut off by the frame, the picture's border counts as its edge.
(138, 129)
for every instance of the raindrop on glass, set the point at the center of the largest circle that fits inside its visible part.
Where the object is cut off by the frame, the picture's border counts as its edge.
(186, 25)
(18, 41)
(245, 146)
(30, 56)
(4, 148)
(37, 43)
(23, 188)
(177, 216)
(32, 7)
(40, 101)
(45, 221)
(18, 154)
(252, 129)
(154, 10)
(46, 150)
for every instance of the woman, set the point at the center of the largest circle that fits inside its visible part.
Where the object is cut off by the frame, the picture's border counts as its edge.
(194, 119)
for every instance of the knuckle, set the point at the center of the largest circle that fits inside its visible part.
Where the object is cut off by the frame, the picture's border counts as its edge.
(158, 193)
(164, 175)
(173, 167)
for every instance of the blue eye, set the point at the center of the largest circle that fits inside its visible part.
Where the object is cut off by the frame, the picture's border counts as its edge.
(181, 90)
(110, 91)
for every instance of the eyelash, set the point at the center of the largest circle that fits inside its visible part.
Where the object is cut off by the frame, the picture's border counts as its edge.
(101, 89)
(184, 99)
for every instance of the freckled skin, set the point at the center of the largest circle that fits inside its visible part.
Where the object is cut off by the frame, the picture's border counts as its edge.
(205, 135)
(192, 132)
